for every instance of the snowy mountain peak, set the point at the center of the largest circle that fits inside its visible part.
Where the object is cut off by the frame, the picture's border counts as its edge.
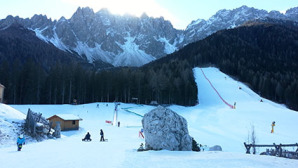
(86, 11)
(62, 19)
(144, 16)
(82, 13)
(102, 35)
(292, 11)
(194, 23)
(226, 19)
(292, 14)
(36, 17)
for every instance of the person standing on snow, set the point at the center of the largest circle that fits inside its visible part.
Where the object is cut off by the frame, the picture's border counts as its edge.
(102, 135)
(272, 125)
(20, 142)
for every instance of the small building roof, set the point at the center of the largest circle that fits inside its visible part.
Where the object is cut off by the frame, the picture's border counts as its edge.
(66, 117)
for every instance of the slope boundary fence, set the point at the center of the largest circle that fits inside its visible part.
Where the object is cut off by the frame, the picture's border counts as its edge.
(231, 106)
(277, 151)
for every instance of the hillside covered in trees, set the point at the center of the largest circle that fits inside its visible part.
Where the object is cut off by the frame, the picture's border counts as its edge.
(262, 54)
(18, 45)
(32, 85)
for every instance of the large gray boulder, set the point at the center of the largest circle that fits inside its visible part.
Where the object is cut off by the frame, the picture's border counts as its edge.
(165, 129)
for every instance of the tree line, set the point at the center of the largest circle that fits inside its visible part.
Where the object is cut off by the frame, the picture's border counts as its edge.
(170, 83)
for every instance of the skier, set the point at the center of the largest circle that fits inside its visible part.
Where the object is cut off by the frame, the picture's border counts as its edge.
(272, 125)
(20, 142)
(87, 137)
(234, 105)
(141, 148)
(118, 123)
(141, 133)
(102, 135)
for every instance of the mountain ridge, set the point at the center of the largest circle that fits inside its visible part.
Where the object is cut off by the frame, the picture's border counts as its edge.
(132, 41)
(18, 44)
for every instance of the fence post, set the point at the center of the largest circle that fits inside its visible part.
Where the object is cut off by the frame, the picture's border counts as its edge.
(247, 148)
(280, 151)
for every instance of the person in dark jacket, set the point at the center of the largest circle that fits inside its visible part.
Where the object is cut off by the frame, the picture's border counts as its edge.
(102, 135)
(87, 137)
(20, 142)
(141, 148)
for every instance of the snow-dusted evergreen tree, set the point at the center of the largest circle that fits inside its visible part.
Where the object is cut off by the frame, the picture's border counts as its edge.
(253, 138)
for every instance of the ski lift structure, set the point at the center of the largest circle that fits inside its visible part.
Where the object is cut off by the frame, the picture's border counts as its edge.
(115, 118)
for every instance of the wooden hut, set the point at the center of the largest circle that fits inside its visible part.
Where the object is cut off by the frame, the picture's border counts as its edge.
(67, 121)
(1, 92)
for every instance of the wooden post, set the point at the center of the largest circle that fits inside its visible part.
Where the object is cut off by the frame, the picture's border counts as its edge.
(280, 151)
(247, 148)
(277, 149)
(254, 149)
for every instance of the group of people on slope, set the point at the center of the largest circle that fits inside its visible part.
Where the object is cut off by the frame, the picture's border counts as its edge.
(88, 136)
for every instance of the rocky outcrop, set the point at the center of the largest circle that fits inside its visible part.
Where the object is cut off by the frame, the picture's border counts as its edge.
(119, 40)
(165, 129)
(227, 19)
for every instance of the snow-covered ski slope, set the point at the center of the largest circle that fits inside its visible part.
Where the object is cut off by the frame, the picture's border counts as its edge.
(211, 122)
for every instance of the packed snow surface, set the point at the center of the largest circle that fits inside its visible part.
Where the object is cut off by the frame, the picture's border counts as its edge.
(211, 122)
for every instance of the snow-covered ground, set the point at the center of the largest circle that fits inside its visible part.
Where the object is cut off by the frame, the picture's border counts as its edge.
(211, 123)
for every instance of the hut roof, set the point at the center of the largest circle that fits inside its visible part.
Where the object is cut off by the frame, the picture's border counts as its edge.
(66, 117)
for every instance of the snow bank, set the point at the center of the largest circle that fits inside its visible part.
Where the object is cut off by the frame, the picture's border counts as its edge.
(10, 121)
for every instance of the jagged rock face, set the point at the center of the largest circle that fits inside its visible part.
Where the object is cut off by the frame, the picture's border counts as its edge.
(119, 40)
(132, 41)
(165, 129)
(292, 14)
(226, 19)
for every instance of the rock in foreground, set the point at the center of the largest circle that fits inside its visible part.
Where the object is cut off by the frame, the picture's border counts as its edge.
(165, 129)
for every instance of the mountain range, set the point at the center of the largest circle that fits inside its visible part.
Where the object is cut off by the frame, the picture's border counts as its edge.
(131, 41)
